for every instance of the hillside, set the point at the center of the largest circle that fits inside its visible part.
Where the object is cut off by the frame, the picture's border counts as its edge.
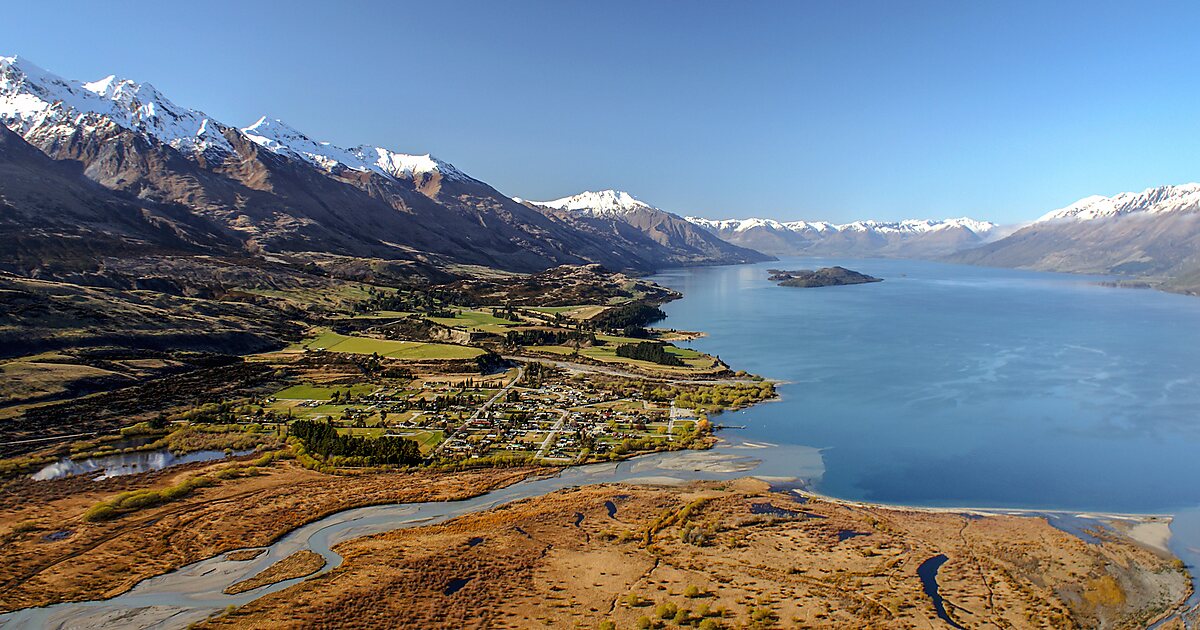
(645, 228)
(268, 187)
(1151, 236)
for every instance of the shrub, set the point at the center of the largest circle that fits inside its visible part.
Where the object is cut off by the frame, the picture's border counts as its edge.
(138, 499)
(26, 526)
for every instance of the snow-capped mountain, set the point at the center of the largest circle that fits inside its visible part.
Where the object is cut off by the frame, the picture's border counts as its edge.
(908, 226)
(1162, 199)
(279, 137)
(1154, 234)
(36, 102)
(270, 187)
(910, 238)
(599, 203)
(620, 213)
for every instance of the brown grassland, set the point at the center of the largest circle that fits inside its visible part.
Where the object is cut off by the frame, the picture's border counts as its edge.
(53, 554)
(703, 555)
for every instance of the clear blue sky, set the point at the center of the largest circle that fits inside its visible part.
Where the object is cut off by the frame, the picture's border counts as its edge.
(796, 110)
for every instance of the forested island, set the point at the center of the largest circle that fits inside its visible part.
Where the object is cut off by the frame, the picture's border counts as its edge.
(824, 277)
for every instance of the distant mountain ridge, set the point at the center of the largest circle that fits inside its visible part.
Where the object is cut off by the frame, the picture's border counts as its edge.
(270, 187)
(618, 212)
(171, 178)
(1153, 235)
(1157, 200)
(914, 238)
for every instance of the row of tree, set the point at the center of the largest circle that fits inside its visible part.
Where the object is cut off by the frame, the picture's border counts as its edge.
(629, 319)
(430, 301)
(648, 351)
(539, 337)
(323, 439)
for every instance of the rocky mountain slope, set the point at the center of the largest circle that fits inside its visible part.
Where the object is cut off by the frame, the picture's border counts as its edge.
(902, 239)
(49, 211)
(269, 187)
(645, 228)
(1153, 235)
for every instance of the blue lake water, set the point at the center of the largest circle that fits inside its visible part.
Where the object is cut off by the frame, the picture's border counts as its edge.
(950, 385)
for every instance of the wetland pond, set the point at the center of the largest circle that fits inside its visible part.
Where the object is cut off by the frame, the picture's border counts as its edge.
(126, 463)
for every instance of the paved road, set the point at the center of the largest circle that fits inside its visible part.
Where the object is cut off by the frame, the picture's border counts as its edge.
(52, 438)
(485, 406)
(550, 436)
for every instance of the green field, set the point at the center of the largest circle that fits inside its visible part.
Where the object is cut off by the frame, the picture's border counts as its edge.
(333, 342)
(427, 440)
(577, 312)
(475, 320)
(693, 360)
(316, 392)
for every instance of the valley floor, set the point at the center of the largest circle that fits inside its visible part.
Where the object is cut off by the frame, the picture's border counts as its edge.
(706, 554)
(724, 554)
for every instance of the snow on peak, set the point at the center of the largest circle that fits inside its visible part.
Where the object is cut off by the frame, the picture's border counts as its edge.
(737, 225)
(279, 137)
(907, 226)
(598, 203)
(34, 100)
(403, 165)
(1184, 197)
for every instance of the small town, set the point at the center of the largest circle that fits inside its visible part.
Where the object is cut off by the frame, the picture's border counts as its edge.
(531, 411)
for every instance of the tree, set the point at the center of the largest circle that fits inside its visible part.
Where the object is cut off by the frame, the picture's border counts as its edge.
(158, 422)
(651, 351)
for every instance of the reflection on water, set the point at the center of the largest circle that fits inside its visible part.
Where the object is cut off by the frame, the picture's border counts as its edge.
(124, 464)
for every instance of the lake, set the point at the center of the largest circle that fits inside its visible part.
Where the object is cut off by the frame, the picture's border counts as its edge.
(949, 385)
(942, 385)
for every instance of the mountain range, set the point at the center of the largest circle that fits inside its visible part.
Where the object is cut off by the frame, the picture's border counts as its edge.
(900, 239)
(268, 187)
(95, 173)
(622, 216)
(1153, 236)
